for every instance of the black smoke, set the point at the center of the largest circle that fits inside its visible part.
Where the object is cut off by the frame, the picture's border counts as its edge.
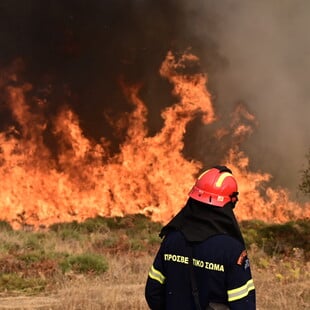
(82, 49)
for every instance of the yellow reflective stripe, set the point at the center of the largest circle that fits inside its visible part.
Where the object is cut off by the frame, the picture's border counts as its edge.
(203, 174)
(241, 291)
(157, 275)
(221, 178)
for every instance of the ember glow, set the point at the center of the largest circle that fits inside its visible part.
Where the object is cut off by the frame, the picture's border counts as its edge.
(149, 174)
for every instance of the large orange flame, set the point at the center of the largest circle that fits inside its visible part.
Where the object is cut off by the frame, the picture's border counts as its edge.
(149, 175)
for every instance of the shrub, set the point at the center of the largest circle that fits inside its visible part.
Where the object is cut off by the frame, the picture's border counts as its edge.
(35, 241)
(278, 238)
(58, 227)
(15, 282)
(5, 226)
(32, 256)
(98, 224)
(84, 263)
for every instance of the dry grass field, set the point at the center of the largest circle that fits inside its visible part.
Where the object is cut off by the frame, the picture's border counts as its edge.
(35, 273)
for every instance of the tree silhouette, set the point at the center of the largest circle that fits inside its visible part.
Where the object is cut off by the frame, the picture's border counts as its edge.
(304, 185)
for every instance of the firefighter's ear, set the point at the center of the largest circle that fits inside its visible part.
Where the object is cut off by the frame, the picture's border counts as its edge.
(234, 198)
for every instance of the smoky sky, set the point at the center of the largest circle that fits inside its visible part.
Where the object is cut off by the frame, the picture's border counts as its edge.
(266, 45)
(257, 52)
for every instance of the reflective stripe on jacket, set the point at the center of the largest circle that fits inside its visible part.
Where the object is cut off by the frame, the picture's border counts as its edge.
(221, 269)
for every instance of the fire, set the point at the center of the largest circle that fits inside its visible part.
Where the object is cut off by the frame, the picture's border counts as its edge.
(149, 175)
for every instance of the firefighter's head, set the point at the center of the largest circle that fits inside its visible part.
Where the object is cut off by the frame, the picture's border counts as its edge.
(216, 187)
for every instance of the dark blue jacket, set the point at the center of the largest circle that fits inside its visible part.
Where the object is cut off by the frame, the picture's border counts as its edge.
(221, 269)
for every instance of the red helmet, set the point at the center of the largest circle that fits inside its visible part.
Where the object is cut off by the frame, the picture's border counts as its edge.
(216, 186)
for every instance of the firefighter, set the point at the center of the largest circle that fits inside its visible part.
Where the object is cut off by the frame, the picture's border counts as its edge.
(202, 262)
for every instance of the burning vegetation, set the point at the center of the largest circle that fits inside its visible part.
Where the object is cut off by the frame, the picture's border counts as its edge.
(82, 178)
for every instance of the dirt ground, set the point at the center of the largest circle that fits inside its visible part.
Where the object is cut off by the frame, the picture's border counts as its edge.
(80, 296)
(30, 302)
